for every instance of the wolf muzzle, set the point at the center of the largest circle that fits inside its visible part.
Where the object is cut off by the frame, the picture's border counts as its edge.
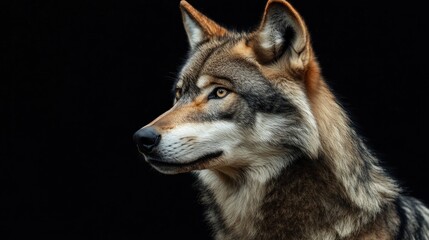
(147, 139)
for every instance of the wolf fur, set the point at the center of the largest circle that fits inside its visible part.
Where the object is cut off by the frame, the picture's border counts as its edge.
(274, 152)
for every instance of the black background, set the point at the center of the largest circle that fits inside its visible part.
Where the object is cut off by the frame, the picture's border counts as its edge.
(80, 77)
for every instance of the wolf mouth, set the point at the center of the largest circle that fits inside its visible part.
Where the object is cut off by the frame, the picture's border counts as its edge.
(198, 161)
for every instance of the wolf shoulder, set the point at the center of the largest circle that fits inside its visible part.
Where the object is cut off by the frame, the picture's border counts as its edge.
(413, 218)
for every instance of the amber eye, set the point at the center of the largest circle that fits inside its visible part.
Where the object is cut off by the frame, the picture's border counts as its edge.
(178, 93)
(221, 92)
(218, 93)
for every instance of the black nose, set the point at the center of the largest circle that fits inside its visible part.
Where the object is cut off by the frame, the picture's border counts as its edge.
(147, 138)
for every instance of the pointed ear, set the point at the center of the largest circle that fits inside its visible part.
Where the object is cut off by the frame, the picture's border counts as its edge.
(199, 27)
(282, 34)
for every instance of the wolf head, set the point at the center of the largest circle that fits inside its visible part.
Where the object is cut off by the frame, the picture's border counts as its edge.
(243, 100)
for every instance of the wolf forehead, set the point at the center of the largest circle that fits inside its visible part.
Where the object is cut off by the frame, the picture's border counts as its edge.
(217, 58)
(228, 58)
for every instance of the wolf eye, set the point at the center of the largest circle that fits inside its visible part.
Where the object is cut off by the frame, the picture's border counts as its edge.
(218, 93)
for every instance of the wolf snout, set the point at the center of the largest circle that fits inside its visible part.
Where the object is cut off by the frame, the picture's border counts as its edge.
(146, 139)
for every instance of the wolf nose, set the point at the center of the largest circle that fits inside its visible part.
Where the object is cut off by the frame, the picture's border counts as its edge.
(147, 138)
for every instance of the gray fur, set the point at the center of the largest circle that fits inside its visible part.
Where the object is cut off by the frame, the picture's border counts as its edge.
(281, 160)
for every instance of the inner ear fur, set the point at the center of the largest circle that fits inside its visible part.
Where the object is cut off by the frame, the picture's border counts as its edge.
(282, 34)
(199, 27)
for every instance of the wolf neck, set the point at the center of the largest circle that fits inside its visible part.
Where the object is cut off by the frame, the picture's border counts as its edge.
(305, 193)
(345, 176)
(233, 200)
(365, 183)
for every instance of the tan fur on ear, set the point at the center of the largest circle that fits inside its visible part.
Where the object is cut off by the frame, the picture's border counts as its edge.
(291, 13)
(280, 19)
(209, 27)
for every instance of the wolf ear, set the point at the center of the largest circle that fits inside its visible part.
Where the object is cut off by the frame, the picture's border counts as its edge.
(199, 27)
(282, 33)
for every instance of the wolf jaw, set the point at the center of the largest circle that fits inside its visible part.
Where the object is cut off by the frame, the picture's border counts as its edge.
(293, 167)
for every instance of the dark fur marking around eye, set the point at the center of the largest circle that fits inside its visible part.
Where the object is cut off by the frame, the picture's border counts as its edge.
(273, 102)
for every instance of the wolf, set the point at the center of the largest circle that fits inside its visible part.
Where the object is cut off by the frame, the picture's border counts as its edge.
(273, 150)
